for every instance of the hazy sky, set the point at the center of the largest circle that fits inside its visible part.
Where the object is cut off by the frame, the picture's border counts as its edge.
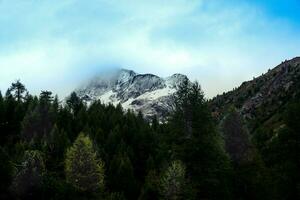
(56, 44)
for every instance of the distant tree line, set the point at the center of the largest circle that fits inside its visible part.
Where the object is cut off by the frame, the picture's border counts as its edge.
(53, 150)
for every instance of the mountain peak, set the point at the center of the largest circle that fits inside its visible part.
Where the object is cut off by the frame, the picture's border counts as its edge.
(175, 79)
(146, 93)
(125, 75)
(127, 71)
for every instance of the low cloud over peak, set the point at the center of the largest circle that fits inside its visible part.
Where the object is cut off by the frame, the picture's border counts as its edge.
(61, 43)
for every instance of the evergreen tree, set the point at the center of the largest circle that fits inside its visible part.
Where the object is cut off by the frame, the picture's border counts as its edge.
(135, 151)
(55, 146)
(113, 140)
(237, 142)
(121, 176)
(1, 107)
(154, 123)
(57, 141)
(251, 180)
(82, 167)
(19, 89)
(29, 178)
(6, 170)
(282, 155)
(2, 120)
(55, 107)
(64, 121)
(151, 188)
(116, 196)
(74, 103)
(11, 125)
(46, 97)
(173, 181)
(78, 111)
(39, 119)
(194, 140)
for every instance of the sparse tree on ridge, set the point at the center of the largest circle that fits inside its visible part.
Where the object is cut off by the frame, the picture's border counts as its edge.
(19, 89)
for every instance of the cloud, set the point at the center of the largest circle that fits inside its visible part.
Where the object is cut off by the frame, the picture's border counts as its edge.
(58, 44)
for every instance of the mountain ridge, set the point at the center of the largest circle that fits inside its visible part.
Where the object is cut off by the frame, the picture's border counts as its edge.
(262, 99)
(146, 93)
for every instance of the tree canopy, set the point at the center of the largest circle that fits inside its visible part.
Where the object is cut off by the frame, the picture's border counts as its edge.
(71, 150)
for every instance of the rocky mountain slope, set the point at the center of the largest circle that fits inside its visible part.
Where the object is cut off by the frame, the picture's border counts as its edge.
(146, 93)
(262, 100)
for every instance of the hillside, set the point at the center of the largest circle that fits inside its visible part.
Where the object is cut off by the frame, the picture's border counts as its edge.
(262, 99)
(96, 150)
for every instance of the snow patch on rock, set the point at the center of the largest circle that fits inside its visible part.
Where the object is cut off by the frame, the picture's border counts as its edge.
(146, 93)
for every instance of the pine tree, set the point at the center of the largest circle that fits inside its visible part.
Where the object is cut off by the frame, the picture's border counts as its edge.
(173, 181)
(74, 103)
(194, 139)
(39, 119)
(55, 107)
(29, 178)
(121, 176)
(237, 139)
(5, 172)
(2, 120)
(10, 126)
(55, 146)
(250, 177)
(57, 141)
(151, 187)
(282, 154)
(18, 88)
(82, 167)
(46, 97)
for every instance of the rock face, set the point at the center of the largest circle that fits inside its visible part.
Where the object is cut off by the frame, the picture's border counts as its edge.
(146, 93)
(262, 99)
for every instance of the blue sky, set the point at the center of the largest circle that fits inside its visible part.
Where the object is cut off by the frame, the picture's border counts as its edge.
(57, 44)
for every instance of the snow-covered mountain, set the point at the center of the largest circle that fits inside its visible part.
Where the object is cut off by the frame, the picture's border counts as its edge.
(148, 93)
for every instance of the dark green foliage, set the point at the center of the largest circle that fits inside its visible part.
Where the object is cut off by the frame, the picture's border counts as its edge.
(82, 167)
(2, 120)
(6, 170)
(282, 155)
(36, 132)
(250, 179)
(116, 196)
(74, 103)
(237, 139)
(13, 113)
(18, 89)
(198, 144)
(46, 98)
(151, 187)
(39, 120)
(29, 177)
(55, 146)
(173, 181)
(121, 176)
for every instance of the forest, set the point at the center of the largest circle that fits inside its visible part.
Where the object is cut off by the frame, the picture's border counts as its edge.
(64, 149)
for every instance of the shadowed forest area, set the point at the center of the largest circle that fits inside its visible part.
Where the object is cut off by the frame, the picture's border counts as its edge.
(68, 150)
